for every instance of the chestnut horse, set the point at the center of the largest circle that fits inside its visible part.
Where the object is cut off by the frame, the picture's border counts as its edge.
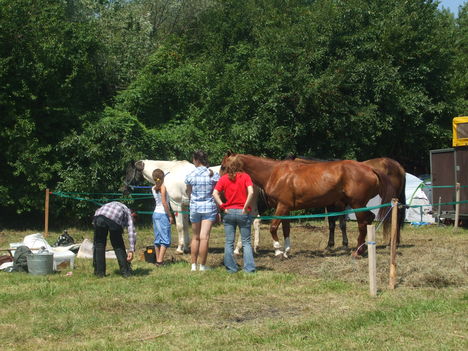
(397, 176)
(292, 185)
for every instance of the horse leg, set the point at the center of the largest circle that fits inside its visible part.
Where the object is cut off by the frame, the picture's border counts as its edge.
(186, 226)
(331, 232)
(343, 230)
(238, 246)
(256, 225)
(287, 240)
(180, 232)
(280, 211)
(274, 234)
(363, 219)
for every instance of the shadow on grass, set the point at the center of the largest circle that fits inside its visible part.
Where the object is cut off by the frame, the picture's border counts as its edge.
(218, 250)
(137, 271)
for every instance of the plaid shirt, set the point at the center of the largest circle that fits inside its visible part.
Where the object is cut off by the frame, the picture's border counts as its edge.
(201, 200)
(121, 215)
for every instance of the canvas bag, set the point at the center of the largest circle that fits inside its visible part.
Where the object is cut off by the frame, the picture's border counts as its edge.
(20, 261)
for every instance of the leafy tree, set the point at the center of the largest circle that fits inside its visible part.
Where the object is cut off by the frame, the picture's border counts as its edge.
(50, 77)
(94, 160)
(333, 79)
(460, 70)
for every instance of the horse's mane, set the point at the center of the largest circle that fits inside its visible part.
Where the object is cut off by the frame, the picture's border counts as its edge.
(310, 158)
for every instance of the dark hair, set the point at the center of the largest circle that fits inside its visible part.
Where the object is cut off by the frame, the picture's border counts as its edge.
(202, 157)
(158, 177)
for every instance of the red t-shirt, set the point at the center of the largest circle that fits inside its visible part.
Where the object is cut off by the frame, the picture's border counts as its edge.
(235, 191)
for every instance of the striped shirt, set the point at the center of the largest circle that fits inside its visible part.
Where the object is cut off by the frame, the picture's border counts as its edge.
(201, 200)
(120, 214)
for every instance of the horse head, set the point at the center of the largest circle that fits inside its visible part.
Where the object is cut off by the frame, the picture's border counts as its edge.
(133, 176)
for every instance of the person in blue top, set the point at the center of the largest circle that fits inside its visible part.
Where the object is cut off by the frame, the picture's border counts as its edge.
(203, 210)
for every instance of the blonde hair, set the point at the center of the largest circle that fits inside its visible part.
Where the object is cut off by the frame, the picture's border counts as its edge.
(158, 177)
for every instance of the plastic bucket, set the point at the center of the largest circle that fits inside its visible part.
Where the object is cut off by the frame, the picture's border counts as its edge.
(41, 264)
(150, 254)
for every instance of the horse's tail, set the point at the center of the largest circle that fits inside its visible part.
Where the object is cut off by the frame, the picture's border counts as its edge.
(386, 192)
(263, 202)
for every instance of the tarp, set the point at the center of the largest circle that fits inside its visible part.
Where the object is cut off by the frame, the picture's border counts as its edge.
(37, 241)
(414, 196)
(86, 250)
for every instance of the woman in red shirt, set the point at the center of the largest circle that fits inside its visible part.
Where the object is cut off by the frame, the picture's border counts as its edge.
(237, 188)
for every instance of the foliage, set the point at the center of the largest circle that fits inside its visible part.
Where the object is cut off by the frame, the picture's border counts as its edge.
(51, 76)
(329, 79)
(460, 71)
(94, 160)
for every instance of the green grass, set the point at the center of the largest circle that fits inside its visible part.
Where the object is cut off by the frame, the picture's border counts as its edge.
(171, 308)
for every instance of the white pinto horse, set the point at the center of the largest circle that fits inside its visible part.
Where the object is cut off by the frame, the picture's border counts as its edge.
(174, 180)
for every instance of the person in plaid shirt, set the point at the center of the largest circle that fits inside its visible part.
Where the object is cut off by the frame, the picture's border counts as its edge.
(203, 210)
(112, 218)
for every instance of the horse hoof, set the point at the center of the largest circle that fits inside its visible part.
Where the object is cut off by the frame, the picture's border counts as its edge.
(356, 255)
(278, 253)
(285, 255)
(179, 251)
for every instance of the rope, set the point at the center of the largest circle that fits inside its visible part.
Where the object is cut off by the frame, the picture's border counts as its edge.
(441, 186)
(110, 194)
(383, 219)
(437, 204)
(144, 196)
(322, 215)
(376, 229)
(65, 195)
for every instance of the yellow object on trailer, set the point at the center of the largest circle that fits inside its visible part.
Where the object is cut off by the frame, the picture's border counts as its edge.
(460, 131)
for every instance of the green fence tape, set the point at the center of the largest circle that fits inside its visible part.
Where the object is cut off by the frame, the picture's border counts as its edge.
(321, 215)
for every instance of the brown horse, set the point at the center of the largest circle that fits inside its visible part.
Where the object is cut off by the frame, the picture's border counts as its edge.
(292, 185)
(397, 176)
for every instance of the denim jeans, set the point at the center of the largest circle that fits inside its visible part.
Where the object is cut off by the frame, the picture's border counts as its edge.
(162, 229)
(103, 226)
(232, 219)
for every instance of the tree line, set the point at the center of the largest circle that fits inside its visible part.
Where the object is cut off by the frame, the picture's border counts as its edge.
(88, 85)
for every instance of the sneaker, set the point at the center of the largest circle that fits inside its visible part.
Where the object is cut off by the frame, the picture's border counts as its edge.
(194, 267)
(205, 268)
(127, 274)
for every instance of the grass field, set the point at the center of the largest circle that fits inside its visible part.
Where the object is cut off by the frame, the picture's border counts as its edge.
(315, 300)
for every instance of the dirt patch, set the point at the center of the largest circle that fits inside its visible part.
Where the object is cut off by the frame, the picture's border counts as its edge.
(427, 257)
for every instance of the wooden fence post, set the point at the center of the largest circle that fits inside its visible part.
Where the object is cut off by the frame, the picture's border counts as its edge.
(438, 211)
(457, 205)
(393, 243)
(46, 214)
(372, 260)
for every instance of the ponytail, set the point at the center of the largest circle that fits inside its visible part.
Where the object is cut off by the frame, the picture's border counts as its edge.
(158, 178)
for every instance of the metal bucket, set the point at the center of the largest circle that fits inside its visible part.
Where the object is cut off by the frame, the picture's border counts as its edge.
(41, 263)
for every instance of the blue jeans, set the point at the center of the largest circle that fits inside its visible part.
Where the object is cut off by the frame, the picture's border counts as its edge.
(162, 229)
(196, 217)
(232, 219)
